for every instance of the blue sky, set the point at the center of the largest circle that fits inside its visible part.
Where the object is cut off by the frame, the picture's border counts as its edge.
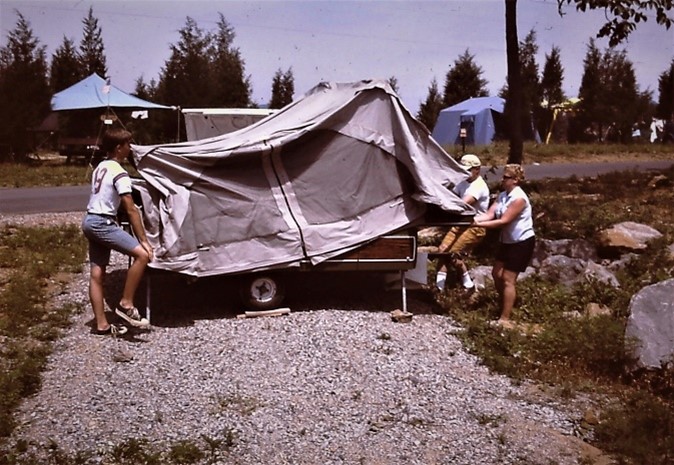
(415, 41)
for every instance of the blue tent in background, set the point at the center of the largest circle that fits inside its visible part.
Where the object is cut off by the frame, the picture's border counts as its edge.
(477, 115)
(96, 92)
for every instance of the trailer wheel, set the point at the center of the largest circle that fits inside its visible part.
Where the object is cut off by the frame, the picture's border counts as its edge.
(262, 292)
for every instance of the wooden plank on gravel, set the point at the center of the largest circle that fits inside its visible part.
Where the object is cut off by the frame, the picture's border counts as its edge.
(273, 312)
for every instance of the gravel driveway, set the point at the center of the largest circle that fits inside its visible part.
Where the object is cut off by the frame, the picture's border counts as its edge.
(335, 382)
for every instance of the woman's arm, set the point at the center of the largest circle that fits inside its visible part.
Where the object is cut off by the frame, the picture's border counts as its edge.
(513, 210)
(489, 215)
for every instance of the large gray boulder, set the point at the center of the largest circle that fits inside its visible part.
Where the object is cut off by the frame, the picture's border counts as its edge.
(651, 325)
(624, 238)
(482, 275)
(562, 269)
(574, 248)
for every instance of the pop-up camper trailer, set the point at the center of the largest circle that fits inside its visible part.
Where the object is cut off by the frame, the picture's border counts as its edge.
(202, 123)
(326, 176)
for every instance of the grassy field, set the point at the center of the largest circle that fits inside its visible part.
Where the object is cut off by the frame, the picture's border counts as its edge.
(568, 356)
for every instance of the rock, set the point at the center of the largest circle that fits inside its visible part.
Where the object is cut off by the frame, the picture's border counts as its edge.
(625, 237)
(572, 315)
(600, 273)
(622, 262)
(659, 181)
(481, 276)
(574, 248)
(590, 417)
(399, 316)
(650, 325)
(121, 356)
(593, 310)
(562, 269)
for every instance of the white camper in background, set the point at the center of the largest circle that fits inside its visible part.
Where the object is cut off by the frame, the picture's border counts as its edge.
(202, 123)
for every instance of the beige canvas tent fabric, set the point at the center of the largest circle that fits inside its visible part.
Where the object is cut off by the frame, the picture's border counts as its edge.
(340, 166)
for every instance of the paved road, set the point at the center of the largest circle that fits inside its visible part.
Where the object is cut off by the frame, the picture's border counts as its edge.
(66, 199)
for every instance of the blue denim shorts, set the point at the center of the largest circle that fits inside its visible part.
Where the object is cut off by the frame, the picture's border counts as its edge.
(104, 235)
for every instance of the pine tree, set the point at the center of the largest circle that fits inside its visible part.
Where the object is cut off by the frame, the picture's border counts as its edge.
(184, 79)
(464, 81)
(65, 66)
(282, 89)
(531, 116)
(430, 109)
(610, 99)
(531, 87)
(553, 77)
(551, 92)
(92, 51)
(231, 87)
(23, 87)
(665, 107)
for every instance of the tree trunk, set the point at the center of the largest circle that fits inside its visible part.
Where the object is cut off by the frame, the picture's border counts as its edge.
(514, 83)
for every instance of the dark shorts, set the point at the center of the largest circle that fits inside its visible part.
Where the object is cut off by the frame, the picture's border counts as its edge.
(104, 235)
(517, 256)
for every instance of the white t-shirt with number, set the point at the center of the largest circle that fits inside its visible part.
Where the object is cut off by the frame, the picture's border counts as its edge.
(109, 181)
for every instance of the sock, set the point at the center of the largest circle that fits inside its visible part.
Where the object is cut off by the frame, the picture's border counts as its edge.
(440, 280)
(467, 282)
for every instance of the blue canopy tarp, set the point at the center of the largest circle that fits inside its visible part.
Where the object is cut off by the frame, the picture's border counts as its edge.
(96, 92)
(476, 115)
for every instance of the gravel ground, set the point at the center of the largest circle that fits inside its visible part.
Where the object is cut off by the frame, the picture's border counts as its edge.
(335, 382)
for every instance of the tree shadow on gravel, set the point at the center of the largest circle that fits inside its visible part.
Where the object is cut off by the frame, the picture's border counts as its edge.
(177, 300)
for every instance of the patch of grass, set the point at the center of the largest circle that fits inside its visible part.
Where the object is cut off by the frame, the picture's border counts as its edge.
(640, 428)
(497, 153)
(43, 174)
(29, 257)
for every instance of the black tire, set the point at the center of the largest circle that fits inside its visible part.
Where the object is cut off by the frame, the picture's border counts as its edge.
(262, 291)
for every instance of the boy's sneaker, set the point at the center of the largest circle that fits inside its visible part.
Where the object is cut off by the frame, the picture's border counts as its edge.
(132, 316)
(113, 330)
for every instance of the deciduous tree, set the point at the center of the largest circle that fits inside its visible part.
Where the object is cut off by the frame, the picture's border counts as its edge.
(623, 16)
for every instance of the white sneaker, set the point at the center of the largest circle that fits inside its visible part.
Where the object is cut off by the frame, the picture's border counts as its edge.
(440, 280)
(132, 316)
